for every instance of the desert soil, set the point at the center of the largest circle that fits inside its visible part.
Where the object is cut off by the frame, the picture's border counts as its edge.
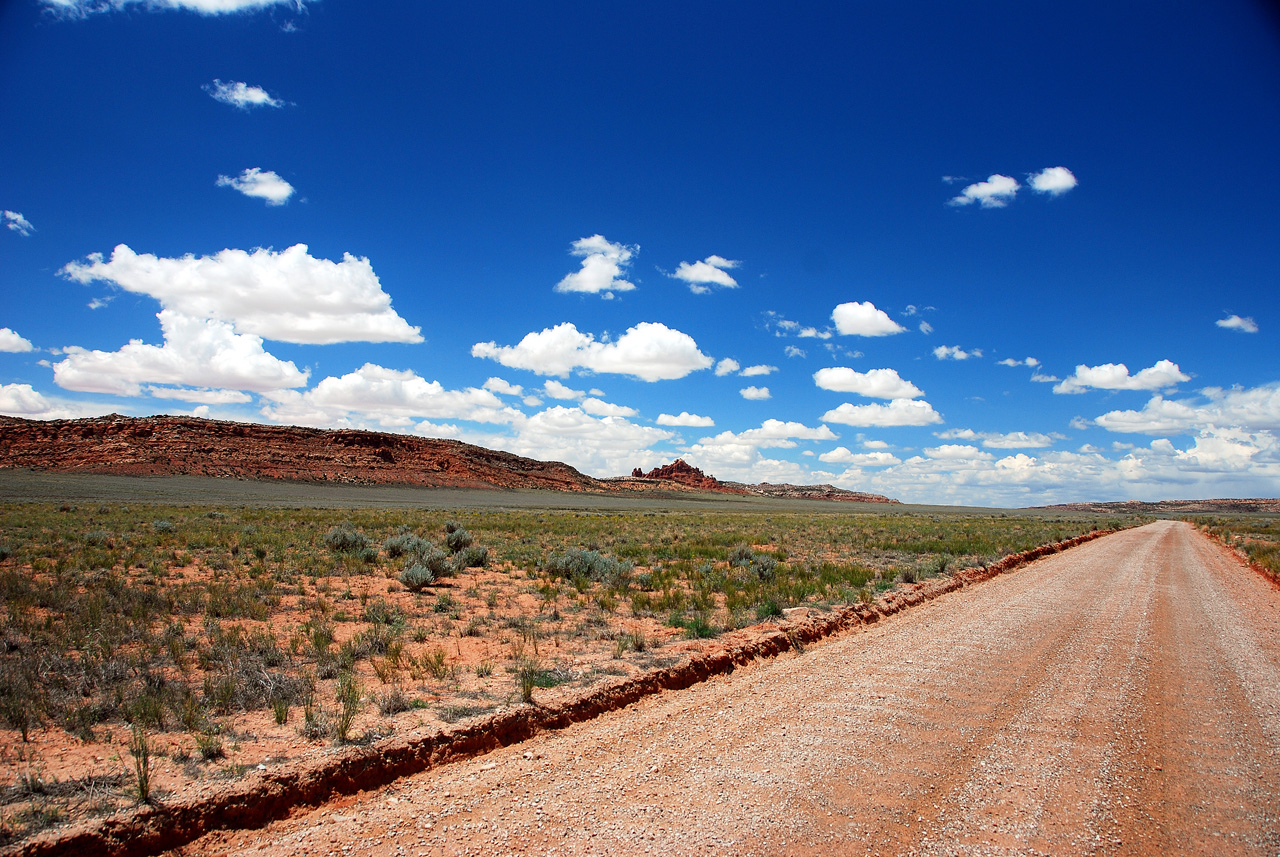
(1120, 698)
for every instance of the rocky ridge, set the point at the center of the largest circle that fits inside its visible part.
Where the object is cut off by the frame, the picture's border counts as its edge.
(179, 446)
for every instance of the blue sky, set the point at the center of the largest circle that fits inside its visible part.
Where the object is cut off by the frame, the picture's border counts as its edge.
(985, 253)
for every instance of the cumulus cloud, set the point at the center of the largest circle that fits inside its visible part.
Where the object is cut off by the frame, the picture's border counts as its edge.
(1115, 376)
(730, 455)
(599, 408)
(196, 353)
(727, 366)
(996, 192)
(955, 352)
(240, 94)
(555, 390)
(598, 445)
(22, 400)
(1231, 322)
(899, 412)
(13, 343)
(793, 351)
(204, 397)
(684, 418)
(19, 224)
(289, 296)
(755, 394)
(874, 384)
(999, 440)
(603, 264)
(263, 184)
(1054, 181)
(390, 398)
(773, 433)
(650, 351)
(863, 319)
(842, 455)
(712, 271)
(80, 8)
(1009, 361)
(1252, 409)
(752, 371)
(958, 452)
(503, 387)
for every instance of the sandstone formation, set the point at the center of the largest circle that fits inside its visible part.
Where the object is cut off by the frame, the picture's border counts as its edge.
(170, 446)
(682, 473)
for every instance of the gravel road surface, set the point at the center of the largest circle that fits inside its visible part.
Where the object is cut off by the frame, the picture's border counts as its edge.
(1120, 698)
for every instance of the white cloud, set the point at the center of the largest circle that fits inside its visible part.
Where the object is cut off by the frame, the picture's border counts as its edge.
(196, 353)
(772, 433)
(289, 296)
(793, 351)
(996, 192)
(752, 371)
(598, 408)
(875, 383)
(899, 412)
(1041, 378)
(650, 351)
(755, 394)
(1009, 361)
(842, 455)
(955, 352)
(926, 328)
(79, 8)
(19, 224)
(601, 446)
(206, 397)
(22, 400)
(711, 271)
(555, 390)
(863, 319)
(684, 418)
(603, 264)
(998, 440)
(1253, 409)
(240, 94)
(1115, 376)
(375, 395)
(875, 444)
(1231, 322)
(503, 387)
(263, 184)
(13, 343)
(1054, 181)
(958, 452)
(727, 366)
(730, 455)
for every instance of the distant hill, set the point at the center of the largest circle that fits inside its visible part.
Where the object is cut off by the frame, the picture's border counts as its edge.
(680, 472)
(1174, 507)
(190, 446)
(172, 446)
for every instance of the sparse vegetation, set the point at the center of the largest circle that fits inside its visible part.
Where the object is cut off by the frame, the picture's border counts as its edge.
(182, 621)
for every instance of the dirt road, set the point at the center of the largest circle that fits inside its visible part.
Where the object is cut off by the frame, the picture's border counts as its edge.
(1120, 698)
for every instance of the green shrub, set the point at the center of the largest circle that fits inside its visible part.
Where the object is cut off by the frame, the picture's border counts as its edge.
(417, 577)
(458, 539)
(344, 539)
(405, 544)
(472, 557)
(576, 562)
